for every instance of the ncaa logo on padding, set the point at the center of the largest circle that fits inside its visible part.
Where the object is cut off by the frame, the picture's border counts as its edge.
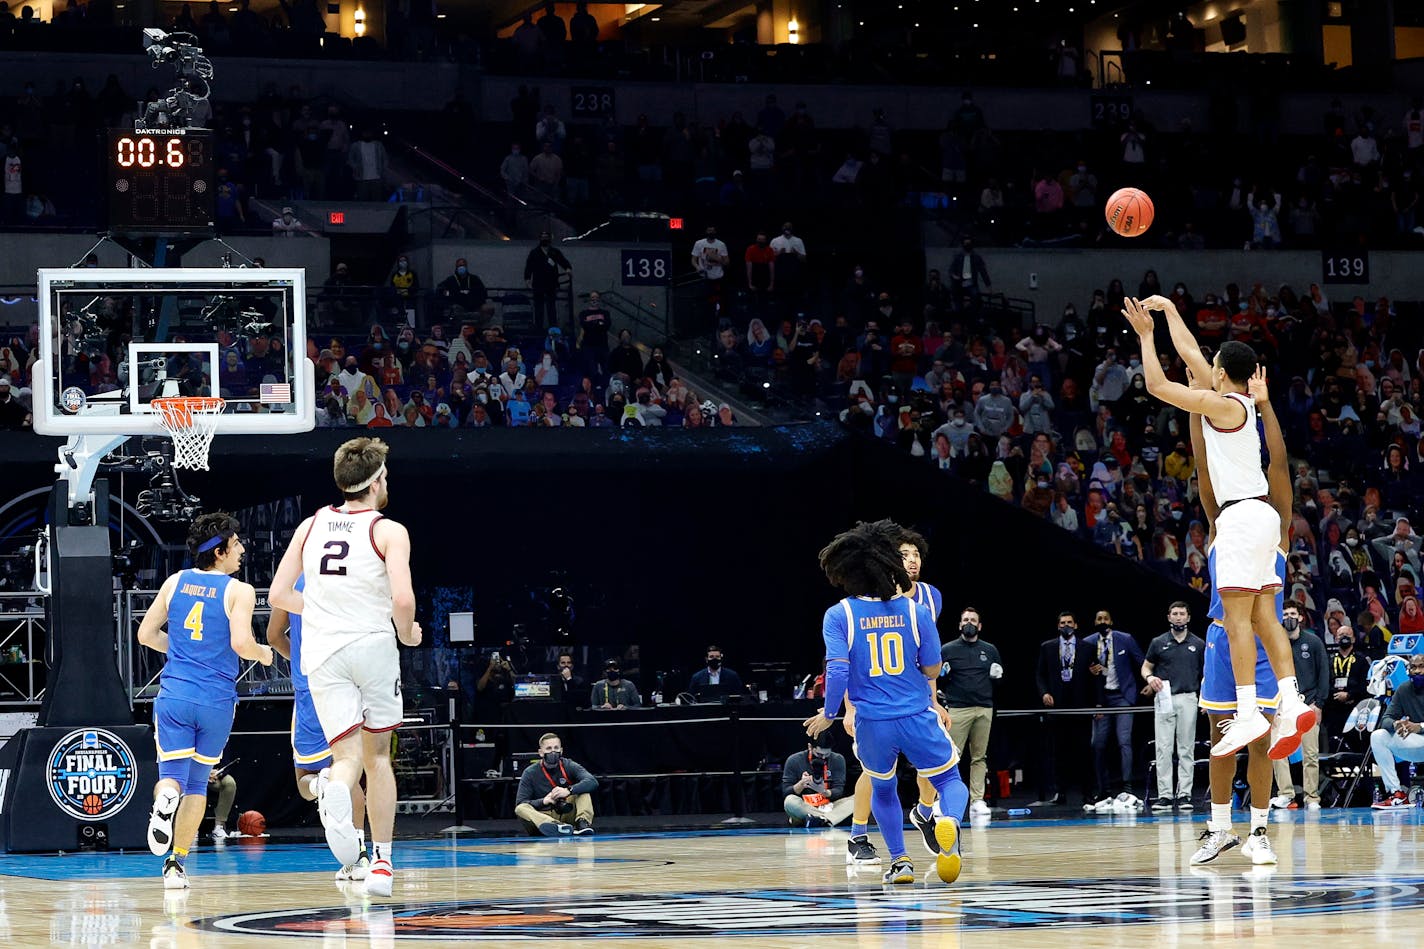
(91, 774)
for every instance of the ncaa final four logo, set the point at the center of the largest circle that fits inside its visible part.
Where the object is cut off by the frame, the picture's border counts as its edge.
(91, 774)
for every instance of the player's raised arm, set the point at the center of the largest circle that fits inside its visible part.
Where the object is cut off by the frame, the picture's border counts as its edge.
(1278, 465)
(395, 543)
(239, 621)
(1222, 412)
(1204, 487)
(150, 629)
(283, 592)
(1182, 339)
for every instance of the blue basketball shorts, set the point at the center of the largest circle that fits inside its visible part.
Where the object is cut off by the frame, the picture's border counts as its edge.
(1218, 691)
(190, 739)
(919, 737)
(310, 751)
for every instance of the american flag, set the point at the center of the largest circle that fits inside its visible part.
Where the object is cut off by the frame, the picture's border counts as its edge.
(277, 392)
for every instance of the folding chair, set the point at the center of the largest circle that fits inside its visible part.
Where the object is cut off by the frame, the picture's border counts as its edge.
(1342, 769)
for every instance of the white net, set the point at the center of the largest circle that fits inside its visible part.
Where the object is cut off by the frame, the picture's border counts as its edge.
(191, 422)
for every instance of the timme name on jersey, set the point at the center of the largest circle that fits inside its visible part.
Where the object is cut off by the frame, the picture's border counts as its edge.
(348, 593)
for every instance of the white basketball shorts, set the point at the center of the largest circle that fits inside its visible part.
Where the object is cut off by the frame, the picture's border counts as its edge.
(358, 686)
(1248, 534)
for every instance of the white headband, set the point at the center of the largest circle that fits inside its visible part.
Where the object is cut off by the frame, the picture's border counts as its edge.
(367, 483)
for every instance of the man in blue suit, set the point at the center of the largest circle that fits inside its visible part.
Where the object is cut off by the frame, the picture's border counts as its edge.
(1116, 661)
(716, 680)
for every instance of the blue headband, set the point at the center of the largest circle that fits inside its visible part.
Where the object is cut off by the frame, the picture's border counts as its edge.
(211, 543)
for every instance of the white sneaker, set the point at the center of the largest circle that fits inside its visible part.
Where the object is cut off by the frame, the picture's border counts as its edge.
(1213, 844)
(1282, 801)
(160, 821)
(354, 871)
(220, 832)
(334, 806)
(1312, 806)
(1258, 848)
(980, 809)
(174, 876)
(1240, 731)
(379, 879)
(1292, 721)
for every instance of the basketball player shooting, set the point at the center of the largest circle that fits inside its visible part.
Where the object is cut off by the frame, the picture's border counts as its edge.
(356, 565)
(1218, 698)
(1247, 527)
(866, 650)
(208, 613)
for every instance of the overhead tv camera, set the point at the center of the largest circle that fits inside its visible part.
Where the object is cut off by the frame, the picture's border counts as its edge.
(194, 75)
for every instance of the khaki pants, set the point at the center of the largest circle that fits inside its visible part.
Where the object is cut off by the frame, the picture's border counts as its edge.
(536, 817)
(970, 734)
(1309, 768)
(1176, 730)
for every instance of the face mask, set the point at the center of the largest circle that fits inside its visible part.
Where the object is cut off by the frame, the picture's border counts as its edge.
(1103, 627)
(551, 759)
(714, 664)
(402, 266)
(462, 270)
(1290, 624)
(377, 345)
(1353, 541)
(892, 399)
(1179, 627)
(613, 675)
(1346, 643)
(969, 631)
(1066, 631)
(1417, 681)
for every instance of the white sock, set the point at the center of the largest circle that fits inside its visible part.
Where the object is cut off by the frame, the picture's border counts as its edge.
(1290, 691)
(1220, 817)
(383, 852)
(1260, 816)
(1245, 701)
(308, 783)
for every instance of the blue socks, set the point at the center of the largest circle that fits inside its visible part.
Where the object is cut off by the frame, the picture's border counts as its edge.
(859, 830)
(885, 805)
(953, 793)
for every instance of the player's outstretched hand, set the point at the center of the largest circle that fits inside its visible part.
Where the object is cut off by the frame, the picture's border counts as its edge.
(1159, 302)
(1137, 317)
(1260, 392)
(817, 723)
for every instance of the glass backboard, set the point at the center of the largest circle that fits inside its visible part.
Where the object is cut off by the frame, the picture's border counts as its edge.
(112, 341)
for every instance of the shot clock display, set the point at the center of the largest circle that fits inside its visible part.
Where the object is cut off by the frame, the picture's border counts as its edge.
(160, 182)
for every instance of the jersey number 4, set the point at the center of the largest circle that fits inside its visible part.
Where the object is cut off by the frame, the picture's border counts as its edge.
(331, 565)
(194, 623)
(887, 654)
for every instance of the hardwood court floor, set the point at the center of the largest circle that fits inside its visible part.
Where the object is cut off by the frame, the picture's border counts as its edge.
(1108, 882)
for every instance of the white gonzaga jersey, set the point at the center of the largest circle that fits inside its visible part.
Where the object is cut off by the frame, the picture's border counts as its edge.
(1233, 456)
(348, 593)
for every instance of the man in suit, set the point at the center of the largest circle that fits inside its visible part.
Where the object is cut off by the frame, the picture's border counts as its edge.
(1063, 683)
(1116, 660)
(715, 680)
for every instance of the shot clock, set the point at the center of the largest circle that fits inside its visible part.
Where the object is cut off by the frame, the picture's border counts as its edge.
(160, 182)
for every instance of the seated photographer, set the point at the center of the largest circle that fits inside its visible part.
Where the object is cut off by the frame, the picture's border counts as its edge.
(224, 787)
(554, 790)
(613, 691)
(814, 784)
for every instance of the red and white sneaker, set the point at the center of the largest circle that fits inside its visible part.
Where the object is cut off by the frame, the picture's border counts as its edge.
(1292, 721)
(1397, 799)
(379, 878)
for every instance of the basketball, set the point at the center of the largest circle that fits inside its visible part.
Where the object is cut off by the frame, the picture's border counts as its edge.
(93, 804)
(1129, 212)
(251, 823)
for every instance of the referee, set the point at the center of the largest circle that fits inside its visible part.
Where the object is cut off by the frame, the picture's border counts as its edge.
(1174, 664)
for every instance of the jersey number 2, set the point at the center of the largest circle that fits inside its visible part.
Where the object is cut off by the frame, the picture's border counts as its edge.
(194, 623)
(887, 654)
(331, 565)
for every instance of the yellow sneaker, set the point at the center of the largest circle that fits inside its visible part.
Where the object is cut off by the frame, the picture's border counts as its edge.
(949, 863)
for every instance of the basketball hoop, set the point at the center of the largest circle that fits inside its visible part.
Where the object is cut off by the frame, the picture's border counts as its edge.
(191, 422)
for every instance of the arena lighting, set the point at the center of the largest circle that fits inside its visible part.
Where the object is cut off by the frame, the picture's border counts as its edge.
(360, 21)
(793, 31)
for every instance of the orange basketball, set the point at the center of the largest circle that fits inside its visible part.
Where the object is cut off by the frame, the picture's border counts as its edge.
(93, 804)
(1129, 212)
(251, 823)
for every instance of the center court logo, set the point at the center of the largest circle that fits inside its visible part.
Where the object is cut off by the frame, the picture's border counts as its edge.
(1022, 904)
(91, 774)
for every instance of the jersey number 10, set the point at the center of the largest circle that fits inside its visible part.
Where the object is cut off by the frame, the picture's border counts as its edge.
(887, 654)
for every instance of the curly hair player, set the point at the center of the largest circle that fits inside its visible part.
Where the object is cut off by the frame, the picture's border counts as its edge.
(868, 636)
(208, 613)
(1247, 527)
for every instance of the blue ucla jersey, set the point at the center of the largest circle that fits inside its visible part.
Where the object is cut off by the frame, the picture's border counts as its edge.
(885, 642)
(928, 595)
(201, 666)
(294, 631)
(1214, 610)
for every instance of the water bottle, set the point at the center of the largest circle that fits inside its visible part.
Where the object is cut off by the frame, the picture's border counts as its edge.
(1019, 812)
(657, 698)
